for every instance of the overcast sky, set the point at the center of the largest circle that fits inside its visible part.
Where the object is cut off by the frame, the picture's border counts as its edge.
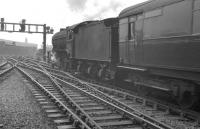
(57, 14)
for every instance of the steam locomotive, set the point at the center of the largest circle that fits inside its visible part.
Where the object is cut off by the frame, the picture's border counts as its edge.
(154, 45)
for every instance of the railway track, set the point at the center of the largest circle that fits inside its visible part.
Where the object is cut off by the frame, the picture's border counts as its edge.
(5, 67)
(167, 114)
(3, 64)
(52, 100)
(97, 111)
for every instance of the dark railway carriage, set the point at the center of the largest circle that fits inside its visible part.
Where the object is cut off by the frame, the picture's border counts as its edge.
(159, 47)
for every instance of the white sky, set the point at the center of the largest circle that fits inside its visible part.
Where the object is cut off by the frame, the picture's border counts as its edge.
(57, 14)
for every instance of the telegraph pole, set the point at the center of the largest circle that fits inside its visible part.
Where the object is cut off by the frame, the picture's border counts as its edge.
(23, 29)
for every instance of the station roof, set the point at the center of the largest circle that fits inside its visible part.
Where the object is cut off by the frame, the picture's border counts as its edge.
(145, 6)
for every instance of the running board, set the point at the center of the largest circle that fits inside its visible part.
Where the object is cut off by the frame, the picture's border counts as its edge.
(133, 68)
(152, 86)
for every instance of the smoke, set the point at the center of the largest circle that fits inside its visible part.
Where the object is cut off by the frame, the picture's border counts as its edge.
(76, 5)
(102, 11)
(93, 9)
(97, 15)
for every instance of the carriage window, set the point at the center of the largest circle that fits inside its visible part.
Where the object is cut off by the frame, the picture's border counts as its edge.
(197, 5)
(123, 29)
(153, 13)
(131, 28)
(196, 17)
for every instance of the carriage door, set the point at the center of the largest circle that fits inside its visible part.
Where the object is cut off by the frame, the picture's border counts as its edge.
(131, 43)
(123, 38)
(128, 46)
(127, 40)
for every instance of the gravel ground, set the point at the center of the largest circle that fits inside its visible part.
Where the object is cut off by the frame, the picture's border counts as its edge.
(18, 108)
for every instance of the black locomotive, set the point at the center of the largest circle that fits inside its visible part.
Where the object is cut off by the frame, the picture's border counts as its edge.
(154, 45)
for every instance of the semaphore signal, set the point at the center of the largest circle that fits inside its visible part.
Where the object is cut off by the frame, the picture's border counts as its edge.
(26, 28)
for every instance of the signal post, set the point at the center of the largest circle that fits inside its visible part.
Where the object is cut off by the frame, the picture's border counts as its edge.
(27, 28)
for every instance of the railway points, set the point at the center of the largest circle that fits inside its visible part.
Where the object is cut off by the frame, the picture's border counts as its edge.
(123, 123)
(94, 102)
(166, 113)
(18, 108)
(74, 80)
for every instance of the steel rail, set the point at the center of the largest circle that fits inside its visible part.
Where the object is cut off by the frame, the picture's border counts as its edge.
(3, 72)
(15, 61)
(128, 114)
(182, 112)
(127, 95)
(118, 103)
(132, 115)
(168, 108)
(6, 71)
(3, 64)
(79, 111)
(40, 62)
(74, 103)
(81, 124)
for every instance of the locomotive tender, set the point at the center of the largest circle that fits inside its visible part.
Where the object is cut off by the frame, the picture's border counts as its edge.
(155, 45)
(90, 47)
